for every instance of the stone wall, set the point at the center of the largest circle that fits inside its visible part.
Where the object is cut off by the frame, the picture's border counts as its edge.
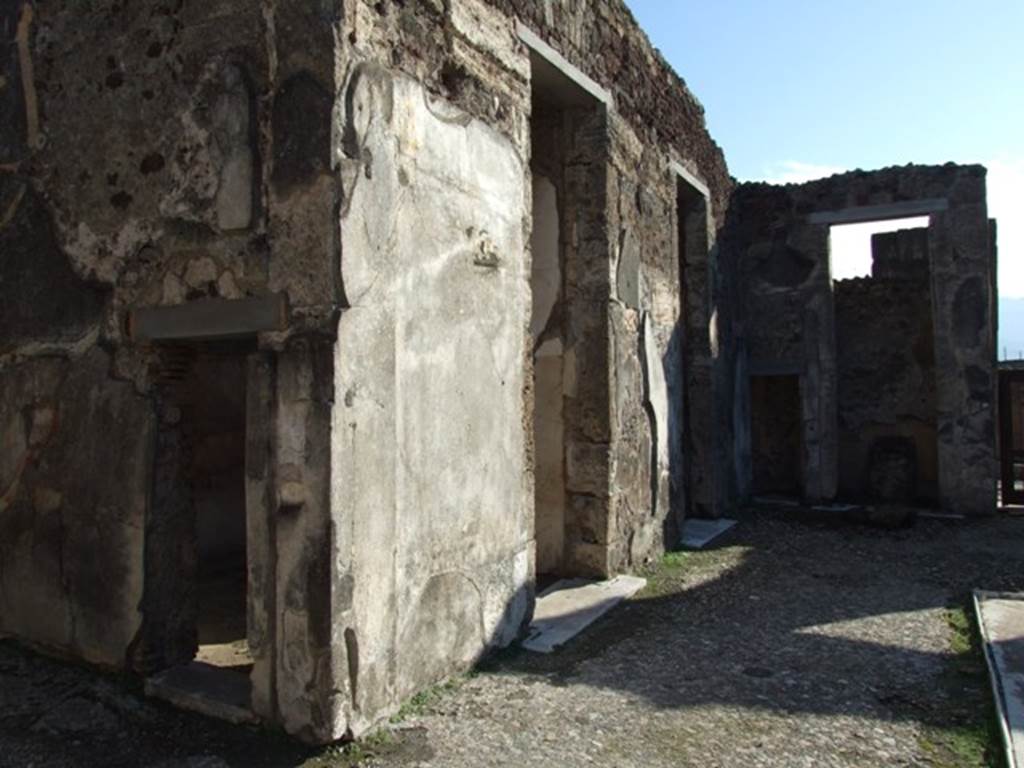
(164, 154)
(431, 495)
(369, 163)
(644, 312)
(783, 323)
(431, 498)
(604, 41)
(781, 320)
(70, 547)
(434, 445)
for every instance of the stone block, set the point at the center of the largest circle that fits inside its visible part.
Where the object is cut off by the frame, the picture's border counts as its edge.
(588, 560)
(588, 519)
(586, 468)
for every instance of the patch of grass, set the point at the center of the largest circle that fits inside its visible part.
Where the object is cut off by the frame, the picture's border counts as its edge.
(675, 559)
(425, 700)
(354, 753)
(384, 742)
(972, 737)
(666, 575)
(957, 746)
(962, 625)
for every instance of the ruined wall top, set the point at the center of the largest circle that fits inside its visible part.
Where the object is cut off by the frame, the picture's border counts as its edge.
(958, 184)
(604, 40)
(468, 52)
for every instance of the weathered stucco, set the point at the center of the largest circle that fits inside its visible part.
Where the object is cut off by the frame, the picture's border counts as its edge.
(143, 166)
(55, 588)
(432, 499)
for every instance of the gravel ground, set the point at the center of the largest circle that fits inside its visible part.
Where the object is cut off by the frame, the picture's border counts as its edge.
(793, 643)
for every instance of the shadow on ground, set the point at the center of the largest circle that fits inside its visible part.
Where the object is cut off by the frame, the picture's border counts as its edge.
(791, 616)
(807, 617)
(55, 714)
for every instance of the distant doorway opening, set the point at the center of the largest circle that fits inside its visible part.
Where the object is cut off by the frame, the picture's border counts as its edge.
(692, 493)
(1011, 437)
(775, 432)
(850, 245)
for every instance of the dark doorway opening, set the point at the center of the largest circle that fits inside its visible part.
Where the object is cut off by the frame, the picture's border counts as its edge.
(213, 421)
(1011, 437)
(197, 595)
(692, 493)
(775, 434)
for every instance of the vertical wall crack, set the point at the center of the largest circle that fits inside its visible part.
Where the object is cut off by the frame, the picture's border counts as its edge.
(33, 136)
(352, 655)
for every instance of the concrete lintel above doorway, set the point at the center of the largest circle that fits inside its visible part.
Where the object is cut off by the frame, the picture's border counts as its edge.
(556, 72)
(207, 319)
(680, 171)
(865, 213)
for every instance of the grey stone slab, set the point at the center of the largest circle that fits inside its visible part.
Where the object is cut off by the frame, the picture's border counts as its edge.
(206, 689)
(568, 607)
(836, 508)
(627, 277)
(690, 179)
(776, 501)
(866, 213)
(560, 65)
(210, 319)
(697, 534)
(1001, 620)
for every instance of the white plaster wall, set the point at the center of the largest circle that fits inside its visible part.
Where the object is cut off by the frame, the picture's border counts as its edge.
(431, 499)
(549, 453)
(548, 425)
(656, 394)
(545, 273)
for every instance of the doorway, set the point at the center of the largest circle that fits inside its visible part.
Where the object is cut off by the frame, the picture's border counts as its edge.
(568, 324)
(195, 649)
(213, 422)
(775, 435)
(1011, 437)
(692, 427)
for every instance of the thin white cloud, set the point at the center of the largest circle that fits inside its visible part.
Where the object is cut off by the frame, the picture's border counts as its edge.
(796, 172)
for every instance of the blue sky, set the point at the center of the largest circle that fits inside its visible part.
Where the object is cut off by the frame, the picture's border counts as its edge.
(798, 90)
